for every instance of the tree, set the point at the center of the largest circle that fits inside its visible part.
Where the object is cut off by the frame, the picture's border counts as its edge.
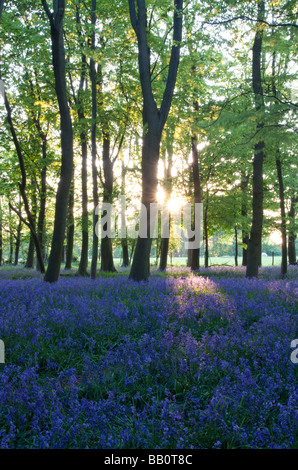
(95, 77)
(22, 185)
(154, 119)
(292, 232)
(82, 271)
(168, 184)
(255, 240)
(58, 56)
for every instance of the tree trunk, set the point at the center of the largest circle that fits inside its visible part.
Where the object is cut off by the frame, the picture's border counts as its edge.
(236, 247)
(30, 255)
(83, 265)
(140, 268)
(10, 237)
(82, 271)
(107, 262)
(42, 207)
(70, 227)
(58, 55)
(206, 233)
(1, 234)
(22, 185)
(94, 84)
(189, 257)
(245, 235)
(195, 258)
(124, 242)
(255, 241)
(284, 254)
(125, 254)
(132, 250)
(1, 7)
(165, 241)
(164, 250)
(18, 243)
(31, 250)
(292, 234)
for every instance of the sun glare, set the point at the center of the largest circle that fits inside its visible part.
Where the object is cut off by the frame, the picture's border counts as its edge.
(175, 202)
(275, 238)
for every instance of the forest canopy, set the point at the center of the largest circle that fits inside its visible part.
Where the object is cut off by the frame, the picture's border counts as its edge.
(165, 101)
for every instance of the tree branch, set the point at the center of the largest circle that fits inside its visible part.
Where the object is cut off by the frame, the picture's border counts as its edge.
(47, 10)
(133, 16)
(174, 62)
(20, 216)
(247, 18)
(119, 148)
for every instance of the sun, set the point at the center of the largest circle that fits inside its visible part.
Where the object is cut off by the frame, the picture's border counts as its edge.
(175, 203)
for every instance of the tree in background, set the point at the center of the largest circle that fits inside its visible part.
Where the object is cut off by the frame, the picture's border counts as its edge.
(58, 55)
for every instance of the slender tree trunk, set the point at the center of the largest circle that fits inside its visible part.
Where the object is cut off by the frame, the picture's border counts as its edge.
(255, 241)
(236, 246)
(165, 241)
(292, 234)
(195, 259)
(1, 234)
(206, 232)
(125, 253)
(10, 249)
(10, 237)
(164, 250)
(22, 185)
(79, 102)
(189, 257)
(18, 243)
(133, 246)
(245, 240)
(94, 84)
(245, 234)
(82, 271)
(124, 242)
(31, 250)
(42, 208)
(43, 198)
(58, 56)
(107, 262)
(284, 253)
(18, 237)
(70, 227)
(190, 195)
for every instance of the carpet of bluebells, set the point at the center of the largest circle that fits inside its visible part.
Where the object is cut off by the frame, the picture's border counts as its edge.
(182, 361)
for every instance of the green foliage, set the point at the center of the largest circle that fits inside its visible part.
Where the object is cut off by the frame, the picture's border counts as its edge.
(213, 100)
